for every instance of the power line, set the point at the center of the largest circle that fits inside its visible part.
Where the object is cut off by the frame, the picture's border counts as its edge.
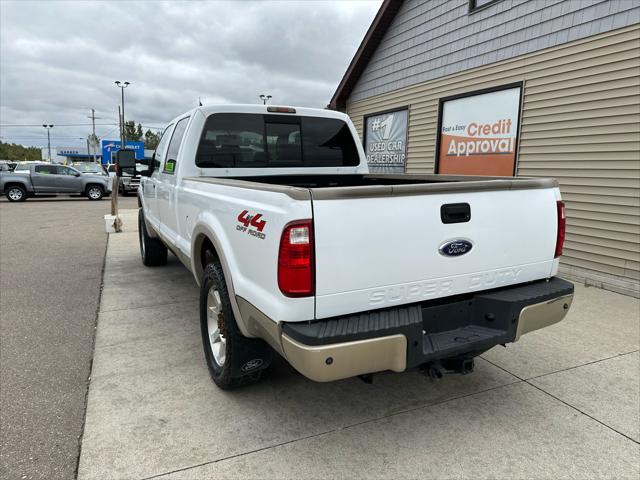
(57, 124)
(73, 125)
(28, 137)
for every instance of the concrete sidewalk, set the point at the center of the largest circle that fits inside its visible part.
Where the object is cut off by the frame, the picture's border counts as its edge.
(561, 403)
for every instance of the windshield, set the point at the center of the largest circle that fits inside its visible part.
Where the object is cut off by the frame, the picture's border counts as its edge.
(88, 167)
(245, 140)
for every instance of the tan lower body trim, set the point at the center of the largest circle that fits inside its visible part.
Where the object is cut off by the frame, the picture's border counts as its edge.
(543, 314)
(259, 325)
(325, 363)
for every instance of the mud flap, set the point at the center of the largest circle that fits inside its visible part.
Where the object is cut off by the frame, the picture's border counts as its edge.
(251, 357)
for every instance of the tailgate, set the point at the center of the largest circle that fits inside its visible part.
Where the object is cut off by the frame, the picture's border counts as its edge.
(380, 251)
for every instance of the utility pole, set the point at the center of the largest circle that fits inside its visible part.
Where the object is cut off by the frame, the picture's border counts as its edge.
(94, 138)
(48, 127)
(93, 119)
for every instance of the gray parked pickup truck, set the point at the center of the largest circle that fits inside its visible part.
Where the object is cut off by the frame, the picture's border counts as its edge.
(51, 179)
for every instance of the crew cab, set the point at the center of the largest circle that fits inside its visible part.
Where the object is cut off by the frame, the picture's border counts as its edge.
(51, 179)
(298, 249)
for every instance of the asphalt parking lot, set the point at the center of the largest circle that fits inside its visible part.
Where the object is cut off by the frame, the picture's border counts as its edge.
(561, 403)
(51, 258)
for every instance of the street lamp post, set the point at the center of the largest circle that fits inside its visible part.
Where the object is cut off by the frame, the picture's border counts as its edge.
(48, 127)
(265, 98)
(117, 222)
(122, 86)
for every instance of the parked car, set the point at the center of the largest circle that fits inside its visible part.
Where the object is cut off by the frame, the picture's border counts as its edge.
(90, 168)
(49, 179)
(7, 166)
(298, 249)
(128, 184)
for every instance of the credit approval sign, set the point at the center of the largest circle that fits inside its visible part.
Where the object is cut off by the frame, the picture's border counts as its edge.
(386, 141)
(479, 132)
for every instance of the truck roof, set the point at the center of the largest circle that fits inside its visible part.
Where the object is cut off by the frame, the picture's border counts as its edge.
(250, 108)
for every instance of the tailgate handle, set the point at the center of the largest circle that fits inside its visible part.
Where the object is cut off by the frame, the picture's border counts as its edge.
(455, 213)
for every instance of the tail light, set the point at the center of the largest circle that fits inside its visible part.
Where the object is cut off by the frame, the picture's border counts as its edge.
(296, 260)
(562, 226)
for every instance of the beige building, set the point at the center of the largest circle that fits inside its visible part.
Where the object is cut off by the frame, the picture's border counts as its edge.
(558, 82)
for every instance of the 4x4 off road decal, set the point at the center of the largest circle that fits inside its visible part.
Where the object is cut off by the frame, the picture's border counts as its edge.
(247, 221)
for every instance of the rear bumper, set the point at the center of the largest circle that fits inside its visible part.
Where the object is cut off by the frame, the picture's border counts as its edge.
(406, 337)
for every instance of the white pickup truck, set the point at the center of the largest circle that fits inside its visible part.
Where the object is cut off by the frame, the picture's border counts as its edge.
(298, 249)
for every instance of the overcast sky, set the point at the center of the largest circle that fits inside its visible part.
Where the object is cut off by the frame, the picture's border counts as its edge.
(59, 59)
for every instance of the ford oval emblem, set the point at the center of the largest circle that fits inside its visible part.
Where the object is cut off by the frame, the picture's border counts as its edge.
(455, 248)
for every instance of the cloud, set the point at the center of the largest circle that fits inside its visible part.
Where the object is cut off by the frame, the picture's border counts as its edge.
(60, 59)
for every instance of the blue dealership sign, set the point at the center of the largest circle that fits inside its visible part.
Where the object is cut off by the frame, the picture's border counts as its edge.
(110, 147)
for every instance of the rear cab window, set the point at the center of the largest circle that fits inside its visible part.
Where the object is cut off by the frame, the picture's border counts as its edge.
(244, 140)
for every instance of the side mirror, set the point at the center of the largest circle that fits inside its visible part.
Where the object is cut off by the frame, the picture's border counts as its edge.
(77, 174)
(126, 162)
(152, 166)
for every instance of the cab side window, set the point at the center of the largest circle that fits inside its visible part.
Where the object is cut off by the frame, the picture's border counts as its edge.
(46, 169)
(174, 146)
(65, 170)
(160, 149)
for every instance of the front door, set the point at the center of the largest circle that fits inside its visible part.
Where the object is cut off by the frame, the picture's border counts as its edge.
(68, 181)
(167, 182)
(150, 184)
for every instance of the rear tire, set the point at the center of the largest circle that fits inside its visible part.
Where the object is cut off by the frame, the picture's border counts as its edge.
(94, 192)
(16, 193)
(233, 359)
(152, 250)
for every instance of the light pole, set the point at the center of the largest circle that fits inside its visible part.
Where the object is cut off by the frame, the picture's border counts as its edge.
(265, 98)
(122, 86)
(48, 127)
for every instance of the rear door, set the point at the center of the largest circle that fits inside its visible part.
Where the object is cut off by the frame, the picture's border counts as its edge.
(381, 251)
(44, 178)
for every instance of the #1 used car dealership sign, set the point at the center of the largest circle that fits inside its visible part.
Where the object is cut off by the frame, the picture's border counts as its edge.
(478, 133)
(386, 141)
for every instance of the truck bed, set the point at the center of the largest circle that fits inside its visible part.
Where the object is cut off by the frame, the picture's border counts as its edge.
(450, 182)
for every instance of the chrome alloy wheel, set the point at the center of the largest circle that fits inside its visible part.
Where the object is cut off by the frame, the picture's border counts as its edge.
(15, 194)
(94, 193)
(215, 327)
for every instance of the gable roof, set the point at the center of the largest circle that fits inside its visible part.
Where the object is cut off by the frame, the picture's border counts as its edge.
(367, 47)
